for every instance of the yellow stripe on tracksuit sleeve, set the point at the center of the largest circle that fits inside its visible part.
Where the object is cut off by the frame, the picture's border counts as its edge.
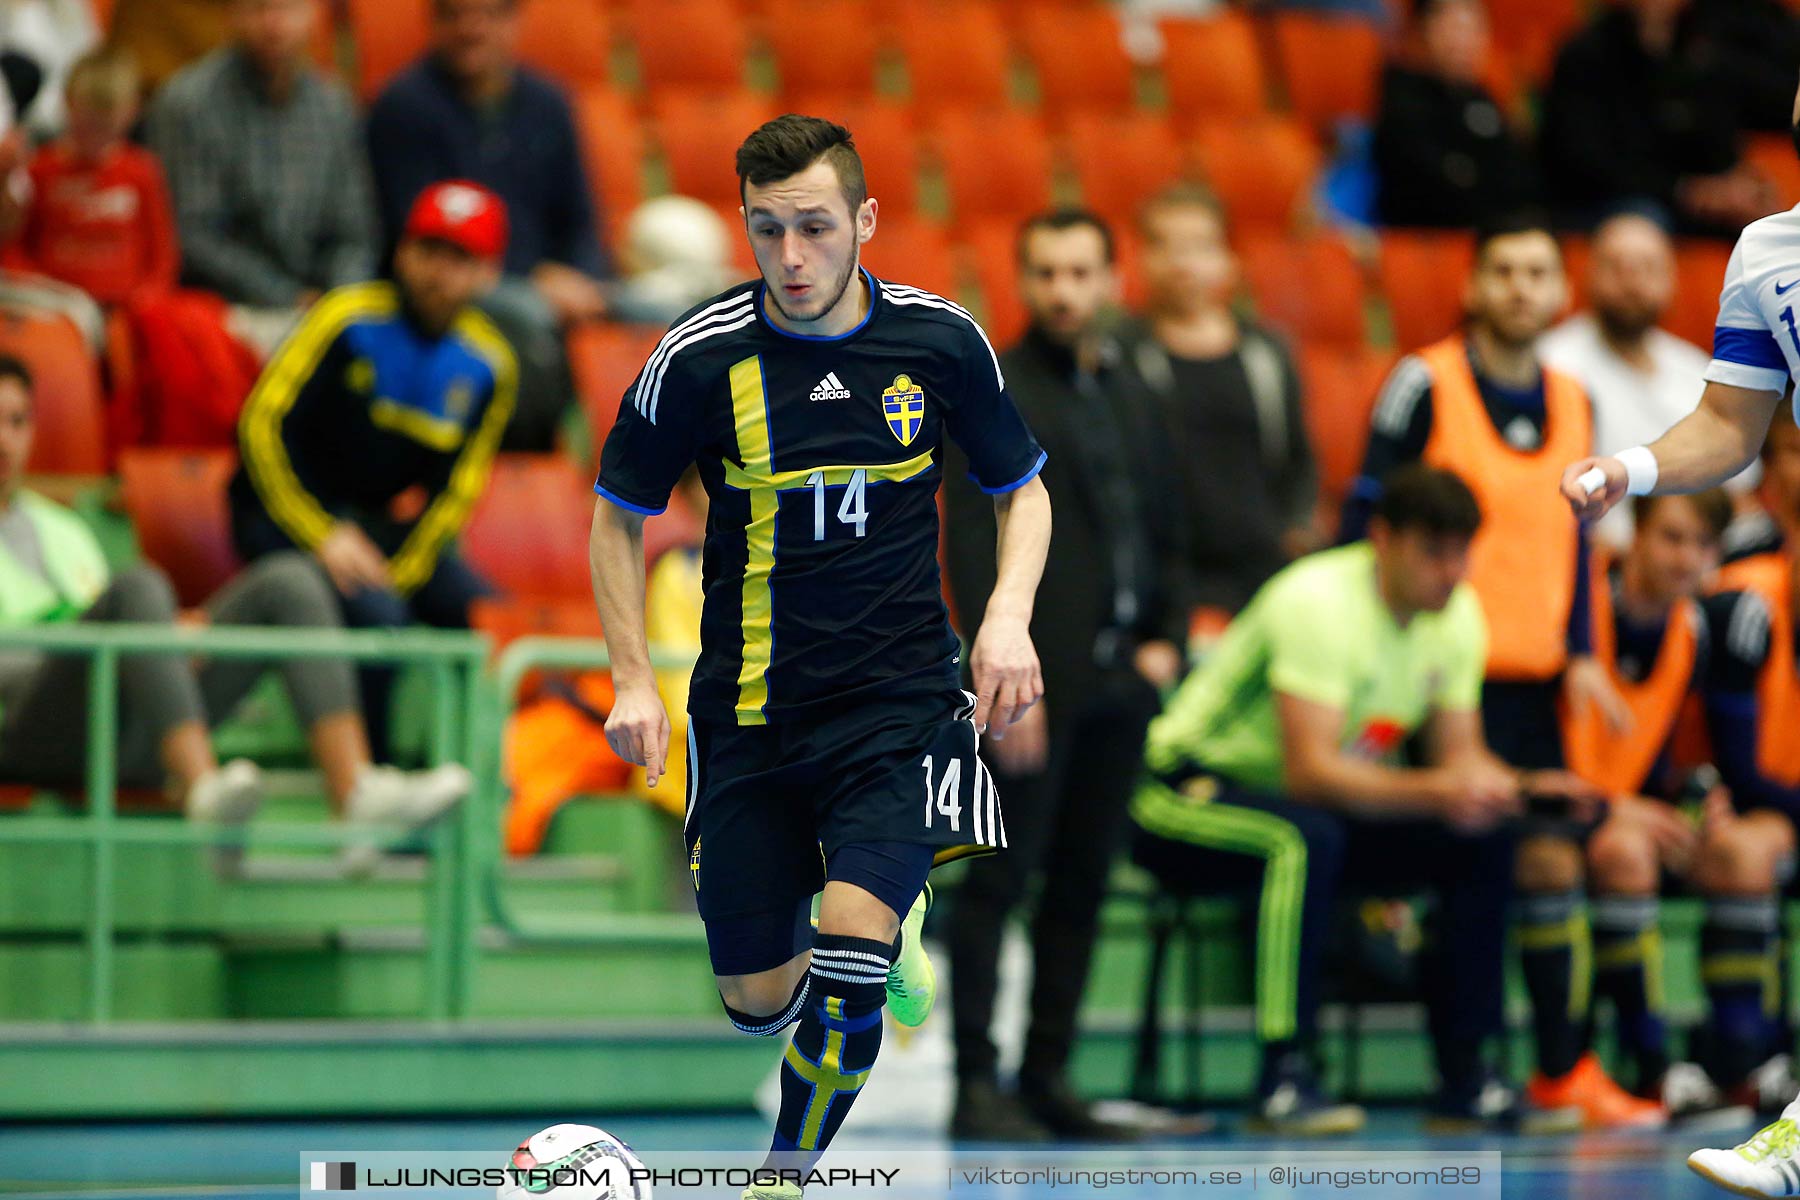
(750, 416)
(1239, 830)
(292, 507)
(418, 555)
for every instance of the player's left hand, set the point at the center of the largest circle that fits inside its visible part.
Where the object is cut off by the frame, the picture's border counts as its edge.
(1586, 682)
(1008, 680)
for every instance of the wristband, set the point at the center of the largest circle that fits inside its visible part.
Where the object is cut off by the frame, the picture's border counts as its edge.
(1640, 470)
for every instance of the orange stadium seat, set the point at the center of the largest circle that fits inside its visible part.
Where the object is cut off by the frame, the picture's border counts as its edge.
(992, 248)
(612, 152)
(1213, 68)
(956, 55)
(177, 503)
(70, 418)
(1080, 60)
(846, 68)
(1310, 288)
(1339, 385)
(699, 134)
(1423, 273)
(1699, 277)
(1121, 160)
(526, 533)
(1529, 32)
(888, 140)
(913, 252)
(690, 44)
(997, 162)
(1331, 65)
(568, 40)
(1260, 169)
(605, 359)
(389, 35)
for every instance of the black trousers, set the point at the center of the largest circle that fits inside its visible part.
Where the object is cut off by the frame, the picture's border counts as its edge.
(1064, 824)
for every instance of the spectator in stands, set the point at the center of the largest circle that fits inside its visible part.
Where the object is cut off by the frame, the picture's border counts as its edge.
(266, 167)
(98, 217)
(52, 570)
(1776, 518)
(1446, 153)
(371, 432)
(1110, 644)
(1649, 635)
(1640, 109)
(468, 110)
(1231, 399)
(677, 253)
(163, 36)
(1761, 41)
(53, 35)
(1278, 765)
(1641, 379)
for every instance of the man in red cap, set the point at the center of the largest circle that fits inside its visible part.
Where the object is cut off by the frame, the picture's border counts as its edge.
(372, 430)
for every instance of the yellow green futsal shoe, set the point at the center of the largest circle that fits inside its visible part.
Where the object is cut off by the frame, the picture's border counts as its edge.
(912, 982)
(1764, 1166)
(772, 1191)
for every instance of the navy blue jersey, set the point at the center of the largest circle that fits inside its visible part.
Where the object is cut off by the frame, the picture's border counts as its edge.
(820, 456)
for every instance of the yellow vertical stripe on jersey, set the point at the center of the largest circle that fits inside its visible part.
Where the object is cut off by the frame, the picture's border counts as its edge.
(750, 415)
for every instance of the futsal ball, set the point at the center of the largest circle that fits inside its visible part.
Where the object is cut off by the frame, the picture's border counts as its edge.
(574, 1162)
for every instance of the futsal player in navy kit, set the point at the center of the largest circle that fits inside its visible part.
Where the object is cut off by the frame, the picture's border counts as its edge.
(831, 746)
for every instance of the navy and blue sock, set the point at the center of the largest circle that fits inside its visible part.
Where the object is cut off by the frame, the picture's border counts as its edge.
(1628, 955)
(834, 1045)
(1555, 950)
(1738, 964)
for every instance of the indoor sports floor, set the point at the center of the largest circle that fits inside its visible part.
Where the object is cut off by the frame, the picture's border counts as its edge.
(221, 1160)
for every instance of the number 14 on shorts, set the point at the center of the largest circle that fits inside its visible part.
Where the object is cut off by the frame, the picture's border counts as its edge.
(957, 786)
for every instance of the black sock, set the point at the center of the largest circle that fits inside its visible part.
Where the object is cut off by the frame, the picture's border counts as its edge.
(834, 1046)
(1738, 956)
(1556, 952)
(1628, 971)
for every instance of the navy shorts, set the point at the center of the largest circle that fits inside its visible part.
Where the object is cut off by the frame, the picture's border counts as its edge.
(769, 806)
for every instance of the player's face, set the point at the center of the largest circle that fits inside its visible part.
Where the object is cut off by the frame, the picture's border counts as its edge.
(475, 38)
(1188, 263)
(275, 32)
(440, 280)
(16, 428)
(1421, 569)
(1065, 280)
(1633, 276)
(1456, 39)
(1517, 287)
(1672, 550)
(806, 241)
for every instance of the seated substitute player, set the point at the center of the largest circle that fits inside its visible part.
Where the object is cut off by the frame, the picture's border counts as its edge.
(1277, 765)
(1650, 636)
(1756, 354)
(825, 705)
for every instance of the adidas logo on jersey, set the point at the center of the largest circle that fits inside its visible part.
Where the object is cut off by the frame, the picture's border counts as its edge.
(829, 388)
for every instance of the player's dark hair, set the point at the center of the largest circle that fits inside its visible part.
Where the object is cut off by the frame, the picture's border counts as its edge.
(1714, 506)
(1511, 224)
(1179, 195)
(1428, 499)
(791, 143)
(1060, 219)
(15, 369)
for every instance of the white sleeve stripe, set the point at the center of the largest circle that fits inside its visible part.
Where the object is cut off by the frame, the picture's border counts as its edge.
(1400, 395)
(1748, 633)
(927, 300)
(697, 336)
(909, 290)
(665, 345)
(1756, 379)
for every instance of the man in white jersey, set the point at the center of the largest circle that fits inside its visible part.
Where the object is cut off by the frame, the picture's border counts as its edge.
(1756, 351)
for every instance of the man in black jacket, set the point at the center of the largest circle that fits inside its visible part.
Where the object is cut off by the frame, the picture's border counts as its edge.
(1108, 629)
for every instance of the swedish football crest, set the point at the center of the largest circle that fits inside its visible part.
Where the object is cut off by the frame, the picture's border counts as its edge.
(904, 405)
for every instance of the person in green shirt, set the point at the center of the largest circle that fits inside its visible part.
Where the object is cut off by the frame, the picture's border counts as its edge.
(1281, 764)
(52, 569)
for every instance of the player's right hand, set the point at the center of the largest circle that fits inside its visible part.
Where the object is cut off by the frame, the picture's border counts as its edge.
(1008, 680)
(353, 562)
(1477, 796)
(638, 728)
(1591, 506)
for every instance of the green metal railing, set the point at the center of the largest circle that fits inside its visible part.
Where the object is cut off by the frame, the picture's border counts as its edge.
(453, 662)
(518, 660)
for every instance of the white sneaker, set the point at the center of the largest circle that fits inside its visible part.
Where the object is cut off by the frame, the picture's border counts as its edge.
(390, 796)
(1765, 1166)
(1695, 1102)
(228, 796)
